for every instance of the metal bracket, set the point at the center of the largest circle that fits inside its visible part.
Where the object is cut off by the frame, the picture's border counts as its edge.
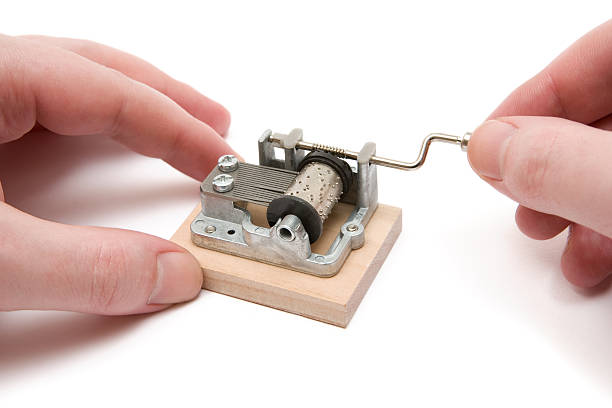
(225, 225)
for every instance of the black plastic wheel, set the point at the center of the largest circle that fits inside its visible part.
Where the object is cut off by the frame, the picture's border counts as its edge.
(302, 209)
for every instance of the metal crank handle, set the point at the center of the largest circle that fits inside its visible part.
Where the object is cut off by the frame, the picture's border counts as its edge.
(461, 141)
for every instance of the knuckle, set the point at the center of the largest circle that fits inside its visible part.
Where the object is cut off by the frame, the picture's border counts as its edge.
(120, 279)
(121, 104)
(85, 47)
(550, 84)
(529, 160)
(17, 104)
(109, 269)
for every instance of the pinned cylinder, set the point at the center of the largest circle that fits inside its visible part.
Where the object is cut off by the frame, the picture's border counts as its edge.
(321, 181)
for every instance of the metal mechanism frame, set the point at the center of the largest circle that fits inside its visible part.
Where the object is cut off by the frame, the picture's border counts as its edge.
(224, 224)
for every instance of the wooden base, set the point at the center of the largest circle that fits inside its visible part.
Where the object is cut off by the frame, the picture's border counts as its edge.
(332, 300)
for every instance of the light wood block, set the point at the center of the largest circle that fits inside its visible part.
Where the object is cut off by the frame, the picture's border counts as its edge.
(332, 300)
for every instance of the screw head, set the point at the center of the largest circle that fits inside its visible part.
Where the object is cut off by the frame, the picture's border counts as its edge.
(352, 227)
(210, 229)
(223, 183)
(227, 163)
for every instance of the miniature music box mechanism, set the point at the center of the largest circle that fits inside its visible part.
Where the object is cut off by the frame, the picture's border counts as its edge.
(299, 193)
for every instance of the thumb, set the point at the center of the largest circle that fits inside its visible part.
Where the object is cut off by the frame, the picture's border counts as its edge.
(44, 265)
(550, 165)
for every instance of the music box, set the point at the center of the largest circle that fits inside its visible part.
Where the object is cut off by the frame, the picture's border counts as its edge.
(302, 233)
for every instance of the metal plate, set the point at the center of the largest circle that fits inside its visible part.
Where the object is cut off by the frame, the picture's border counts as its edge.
(252, 183)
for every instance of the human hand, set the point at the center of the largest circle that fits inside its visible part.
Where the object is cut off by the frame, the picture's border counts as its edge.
(559, 167)
(74, 87)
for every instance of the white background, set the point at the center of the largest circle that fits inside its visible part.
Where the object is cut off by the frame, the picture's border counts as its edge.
(465, 311)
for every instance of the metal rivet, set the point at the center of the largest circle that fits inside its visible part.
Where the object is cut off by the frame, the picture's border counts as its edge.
(227, 163)
(352, 228)
(223, 183)
(210, 229)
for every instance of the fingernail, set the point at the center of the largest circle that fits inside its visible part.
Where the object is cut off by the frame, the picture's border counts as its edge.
(179, 278)
(488, 147)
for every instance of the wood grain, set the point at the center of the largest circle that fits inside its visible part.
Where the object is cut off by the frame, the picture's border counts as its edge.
(332, 300)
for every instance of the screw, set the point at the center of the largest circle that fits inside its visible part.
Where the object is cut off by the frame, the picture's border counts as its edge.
(352, 228)
(210, 229)
(223, 183)
(227, 163)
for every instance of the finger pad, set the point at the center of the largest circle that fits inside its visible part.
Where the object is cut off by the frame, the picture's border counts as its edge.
(537, 225)
(587, 259)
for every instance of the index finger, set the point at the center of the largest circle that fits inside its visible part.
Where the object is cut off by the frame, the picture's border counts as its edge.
(192, 101)
(577, 85)
(71, 95)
